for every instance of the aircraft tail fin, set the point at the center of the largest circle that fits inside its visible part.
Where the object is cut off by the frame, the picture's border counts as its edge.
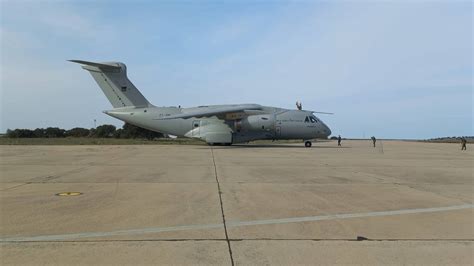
(112, 79)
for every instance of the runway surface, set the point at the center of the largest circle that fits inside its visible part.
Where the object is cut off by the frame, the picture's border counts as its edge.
(401, 202)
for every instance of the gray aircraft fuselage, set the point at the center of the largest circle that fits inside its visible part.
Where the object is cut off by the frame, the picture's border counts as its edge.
(270, 123)
(225, 124)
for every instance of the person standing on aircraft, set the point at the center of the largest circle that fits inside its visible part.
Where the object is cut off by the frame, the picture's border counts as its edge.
(373, 140)
(463, 144)
(299, 105)
(339, 139)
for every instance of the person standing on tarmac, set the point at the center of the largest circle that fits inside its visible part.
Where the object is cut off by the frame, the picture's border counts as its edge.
(463, 144)
(339, 139)
(374, 140)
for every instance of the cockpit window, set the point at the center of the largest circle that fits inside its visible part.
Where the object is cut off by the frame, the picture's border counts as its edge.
(306, 120)
(313, 120)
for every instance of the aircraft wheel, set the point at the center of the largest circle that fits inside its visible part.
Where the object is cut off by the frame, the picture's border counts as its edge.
(307, 144)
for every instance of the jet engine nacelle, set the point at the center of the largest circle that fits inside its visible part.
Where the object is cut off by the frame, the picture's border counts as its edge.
(256, 123)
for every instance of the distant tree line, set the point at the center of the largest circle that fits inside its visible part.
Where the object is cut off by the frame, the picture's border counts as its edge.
(469, 139)
(128, 131)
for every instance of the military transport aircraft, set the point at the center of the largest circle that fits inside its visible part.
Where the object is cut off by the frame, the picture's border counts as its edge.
(215, 124)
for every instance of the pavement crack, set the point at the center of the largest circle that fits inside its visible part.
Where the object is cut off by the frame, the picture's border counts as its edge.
(222, 208)
(116, 189)
(27, 183)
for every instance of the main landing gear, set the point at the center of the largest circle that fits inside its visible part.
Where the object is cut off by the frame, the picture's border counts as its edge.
(308, 144)
(219, 144)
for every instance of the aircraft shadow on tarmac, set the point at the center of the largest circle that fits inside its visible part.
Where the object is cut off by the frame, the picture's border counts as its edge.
(237, 146)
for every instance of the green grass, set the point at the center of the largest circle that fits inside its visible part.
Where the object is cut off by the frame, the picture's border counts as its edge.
(95, 141)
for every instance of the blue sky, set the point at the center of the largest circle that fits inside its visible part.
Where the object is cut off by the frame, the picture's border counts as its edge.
(393, 69)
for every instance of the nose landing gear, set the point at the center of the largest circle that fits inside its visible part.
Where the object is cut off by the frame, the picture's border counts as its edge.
(307, 144)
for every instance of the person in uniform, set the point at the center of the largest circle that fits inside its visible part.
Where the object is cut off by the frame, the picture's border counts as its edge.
(299, 105)
(339, 139)
(373, 140)
(463, 144)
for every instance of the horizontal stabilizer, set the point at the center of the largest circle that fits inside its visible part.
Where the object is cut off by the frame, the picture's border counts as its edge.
(99, 65)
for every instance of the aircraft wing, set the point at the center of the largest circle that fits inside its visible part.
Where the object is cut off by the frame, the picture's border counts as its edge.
(211, 111)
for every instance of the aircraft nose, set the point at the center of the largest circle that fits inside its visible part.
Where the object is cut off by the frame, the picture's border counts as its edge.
(323, 131)
(327, 131)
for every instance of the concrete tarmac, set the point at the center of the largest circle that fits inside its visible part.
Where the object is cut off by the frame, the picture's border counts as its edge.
(398, 203)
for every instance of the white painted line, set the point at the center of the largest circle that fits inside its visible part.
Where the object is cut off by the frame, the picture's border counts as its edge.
(347, 216)
(231, 224)
(111, 233)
